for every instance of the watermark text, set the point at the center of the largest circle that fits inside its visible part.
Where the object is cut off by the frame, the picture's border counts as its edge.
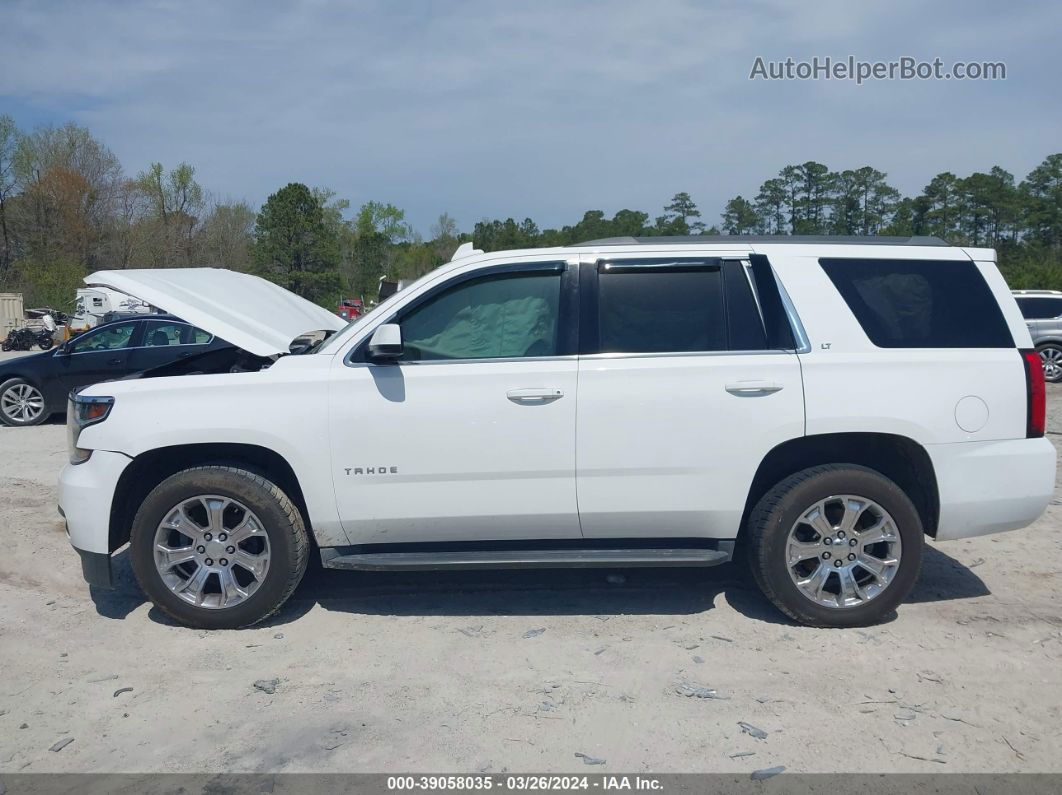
(851, 68)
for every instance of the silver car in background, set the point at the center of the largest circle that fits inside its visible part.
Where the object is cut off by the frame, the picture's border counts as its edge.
(1042, 310)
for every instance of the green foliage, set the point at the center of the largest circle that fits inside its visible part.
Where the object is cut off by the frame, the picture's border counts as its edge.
(66, 208)
(740, 217)
(173, 204)
(295, 246)
(9, 142)
(681, 217)
(1041, 199)
(51, 283)
(770, 206)
(1031, 267)
(381, 242)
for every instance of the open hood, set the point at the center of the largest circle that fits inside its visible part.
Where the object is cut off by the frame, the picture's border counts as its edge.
(248, 311)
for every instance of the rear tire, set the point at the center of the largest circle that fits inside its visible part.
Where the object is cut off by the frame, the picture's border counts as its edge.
(45, 343)
(1051, 358)
(812, 568)
(218, 592)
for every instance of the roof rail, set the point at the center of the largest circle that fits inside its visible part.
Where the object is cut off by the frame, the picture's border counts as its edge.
(847, 240)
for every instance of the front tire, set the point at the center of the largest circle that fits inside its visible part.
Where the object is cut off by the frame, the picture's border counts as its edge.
(836, 546)
(218, 547)
(1051, 358)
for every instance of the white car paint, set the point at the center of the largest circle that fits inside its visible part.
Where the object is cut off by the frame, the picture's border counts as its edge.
(654, 446)
(852, 385)
(663, 444)
(248, 311)
(482, 466)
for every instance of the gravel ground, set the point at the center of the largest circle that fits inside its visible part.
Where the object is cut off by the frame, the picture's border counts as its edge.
(521, 671)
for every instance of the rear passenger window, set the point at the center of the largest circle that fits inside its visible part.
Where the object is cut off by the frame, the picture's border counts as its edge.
(1040, 308)
(920, 303)
(660, 309)
(162, 334)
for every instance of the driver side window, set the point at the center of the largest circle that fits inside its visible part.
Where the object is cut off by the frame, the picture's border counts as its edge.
(511, 315)
(105, 339)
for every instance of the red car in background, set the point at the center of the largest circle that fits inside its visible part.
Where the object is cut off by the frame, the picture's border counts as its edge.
(350, 308)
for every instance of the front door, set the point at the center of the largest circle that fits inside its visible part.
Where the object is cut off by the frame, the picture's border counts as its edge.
(682, 392)
(470, 436)
(97, 355)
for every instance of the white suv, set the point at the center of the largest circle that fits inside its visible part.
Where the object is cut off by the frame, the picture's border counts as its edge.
(823, 403)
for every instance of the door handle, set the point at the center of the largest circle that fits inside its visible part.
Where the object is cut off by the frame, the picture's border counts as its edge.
(753, 387)
(114, 361)
(533, 395)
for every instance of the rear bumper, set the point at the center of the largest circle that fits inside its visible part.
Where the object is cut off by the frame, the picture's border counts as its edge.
(86, 492)
(991, 487)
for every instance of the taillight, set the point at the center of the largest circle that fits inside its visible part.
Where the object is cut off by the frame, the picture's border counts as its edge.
(1036, 392)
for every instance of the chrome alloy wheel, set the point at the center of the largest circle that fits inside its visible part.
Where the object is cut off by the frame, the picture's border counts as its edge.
(211, 551)
(1051, 358)
(843, 551)
(22, 403)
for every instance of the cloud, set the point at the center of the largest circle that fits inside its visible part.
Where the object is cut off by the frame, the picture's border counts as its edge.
(540, 109)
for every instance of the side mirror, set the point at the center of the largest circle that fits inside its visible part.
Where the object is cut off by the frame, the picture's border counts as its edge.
(386, 342)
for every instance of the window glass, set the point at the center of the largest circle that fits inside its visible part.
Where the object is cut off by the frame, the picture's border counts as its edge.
(1040, 308)
(743, 312)
(920, 303)
(501, 316)
(161, 334)
(660, 310)
(105, 339)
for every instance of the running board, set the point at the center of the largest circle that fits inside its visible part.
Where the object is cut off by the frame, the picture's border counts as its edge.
(524, 559)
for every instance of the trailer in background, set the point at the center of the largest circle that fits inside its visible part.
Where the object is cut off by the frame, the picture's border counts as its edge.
(12, 313)
(93, 305)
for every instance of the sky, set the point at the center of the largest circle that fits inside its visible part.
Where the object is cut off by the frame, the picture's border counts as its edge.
(542, 109)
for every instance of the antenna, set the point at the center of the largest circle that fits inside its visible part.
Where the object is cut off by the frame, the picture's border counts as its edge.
(465, 250)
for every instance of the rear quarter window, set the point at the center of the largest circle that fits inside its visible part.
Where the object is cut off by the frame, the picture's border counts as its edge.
(920, 303)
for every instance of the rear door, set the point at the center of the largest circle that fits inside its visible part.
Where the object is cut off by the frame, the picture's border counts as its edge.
(687, 378)
(166, 341)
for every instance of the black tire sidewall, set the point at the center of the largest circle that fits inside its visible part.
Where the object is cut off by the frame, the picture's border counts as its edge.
(256, 495)
(772, 534)
(10, 421)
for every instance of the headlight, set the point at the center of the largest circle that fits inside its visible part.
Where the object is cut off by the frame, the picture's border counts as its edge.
(82, 411)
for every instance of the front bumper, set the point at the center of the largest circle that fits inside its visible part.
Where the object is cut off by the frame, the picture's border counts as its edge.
(990, 487)
(96, 568)
(86, 492)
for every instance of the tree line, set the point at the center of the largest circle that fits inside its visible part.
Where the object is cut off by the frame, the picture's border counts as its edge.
(67, 207)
